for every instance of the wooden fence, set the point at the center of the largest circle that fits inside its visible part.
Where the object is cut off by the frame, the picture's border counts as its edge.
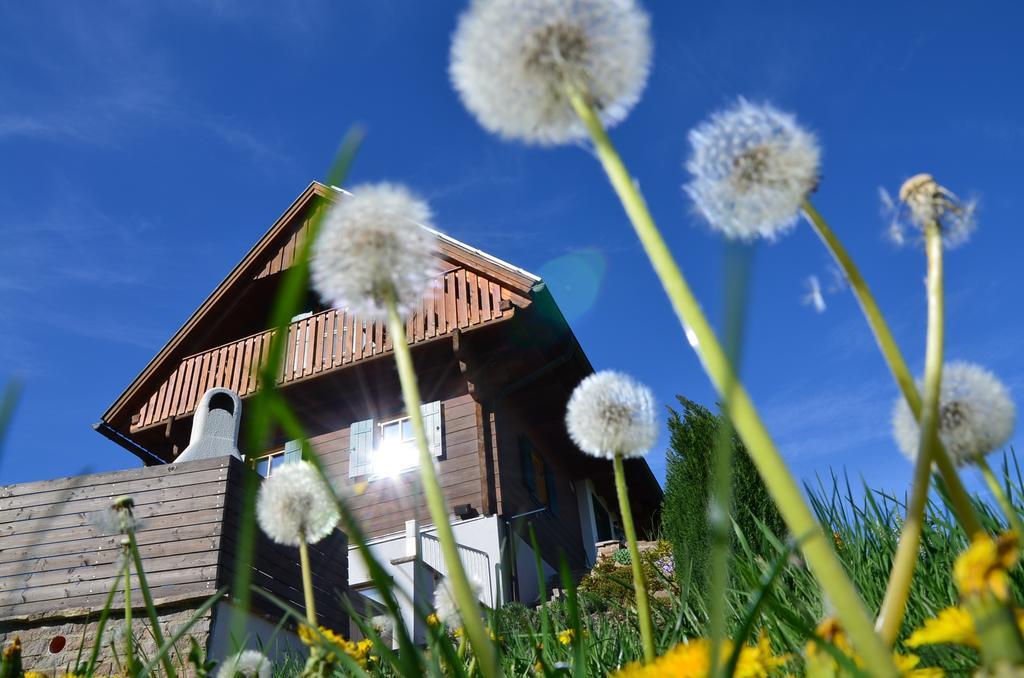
(326, 341)
(58, 561)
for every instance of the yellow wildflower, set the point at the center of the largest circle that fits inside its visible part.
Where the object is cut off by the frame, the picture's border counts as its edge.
(35, 674)
(495, 637)
(433, 620)
(693, 660)
(952, 625)
(459, 632)
(566, 637)
(324, 650)
(983, 567)
(820, 662)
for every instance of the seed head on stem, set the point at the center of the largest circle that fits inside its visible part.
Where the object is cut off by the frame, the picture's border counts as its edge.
(514, 62)
(294, 505)
(751, 166)
(976, 415)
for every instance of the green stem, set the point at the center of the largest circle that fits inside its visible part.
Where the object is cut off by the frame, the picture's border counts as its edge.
(784, 489)
(128, 636)
(898, 591)
(996, 488)
(147, 597)
(101, 625)
(307, 581)
(643, 606)
(467, 602)
(958, 496)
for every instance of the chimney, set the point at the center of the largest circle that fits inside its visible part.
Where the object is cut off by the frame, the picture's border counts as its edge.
(215, 426)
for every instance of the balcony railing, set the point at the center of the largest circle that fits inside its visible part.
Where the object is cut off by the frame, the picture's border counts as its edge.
(329, 340)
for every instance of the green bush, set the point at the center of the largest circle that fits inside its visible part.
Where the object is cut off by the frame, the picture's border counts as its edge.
(693, 435)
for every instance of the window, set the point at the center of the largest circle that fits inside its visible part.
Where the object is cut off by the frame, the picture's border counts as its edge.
(388, 448)
(396, 449)
(268, 463)
(538, 476)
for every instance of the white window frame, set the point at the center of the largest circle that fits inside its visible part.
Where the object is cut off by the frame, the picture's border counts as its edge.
(265, 457)
(382, 467)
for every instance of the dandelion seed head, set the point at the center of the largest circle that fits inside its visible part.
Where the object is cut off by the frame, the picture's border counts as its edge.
(752, 166)
(383, 624)
(247, 663)
(118, 518)
(976, 415)
(446, 607)
(294, 503)
(513, 61)
(372, 242)
(611, 414)
(923, 201)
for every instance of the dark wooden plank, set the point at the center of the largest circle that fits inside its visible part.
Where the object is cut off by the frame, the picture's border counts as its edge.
(451, 319)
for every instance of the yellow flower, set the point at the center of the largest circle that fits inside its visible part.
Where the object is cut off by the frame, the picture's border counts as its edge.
(459, 632)
(35, 674)
(495, 637)
(566, 637)
(693, 660)
(952, 625)
(324, 650)
(820, 662)
(433, 620)
(983, 567)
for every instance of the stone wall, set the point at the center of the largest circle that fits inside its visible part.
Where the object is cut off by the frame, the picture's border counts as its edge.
(52, 646)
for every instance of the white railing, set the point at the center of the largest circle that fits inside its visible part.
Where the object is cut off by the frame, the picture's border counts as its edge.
(476, 563)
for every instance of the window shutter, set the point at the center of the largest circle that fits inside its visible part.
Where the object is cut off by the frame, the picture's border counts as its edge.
(432, 424)
(549, 483)
(292, 451)
(360, 448)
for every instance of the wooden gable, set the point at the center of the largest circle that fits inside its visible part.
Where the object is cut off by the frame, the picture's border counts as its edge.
(474, 289)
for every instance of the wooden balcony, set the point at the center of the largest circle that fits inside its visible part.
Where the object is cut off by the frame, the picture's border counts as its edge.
(327, 341)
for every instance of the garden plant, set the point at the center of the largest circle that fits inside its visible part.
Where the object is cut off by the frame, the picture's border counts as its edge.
(830, 585)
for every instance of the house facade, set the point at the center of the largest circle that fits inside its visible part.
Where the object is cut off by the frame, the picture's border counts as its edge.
(496, 363)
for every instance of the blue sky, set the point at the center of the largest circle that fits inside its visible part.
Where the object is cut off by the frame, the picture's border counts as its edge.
(145, 146)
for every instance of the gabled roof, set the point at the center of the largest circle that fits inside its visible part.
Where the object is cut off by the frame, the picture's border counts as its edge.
(274, 252)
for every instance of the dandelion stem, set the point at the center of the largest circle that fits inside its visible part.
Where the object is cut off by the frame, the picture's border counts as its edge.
(307, 581)
(129, 651)
(643, 607)
(101, 624)
(960, 500)
(996, 488)
(147, 597)
(468, 606)
(786, 493)
(902, 574)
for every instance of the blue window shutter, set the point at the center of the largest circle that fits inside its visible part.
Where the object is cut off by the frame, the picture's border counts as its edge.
(360, 448)
(432, 424)
(292, 451)
(549, 482)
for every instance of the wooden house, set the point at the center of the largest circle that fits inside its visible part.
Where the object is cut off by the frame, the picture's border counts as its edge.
(496, 363)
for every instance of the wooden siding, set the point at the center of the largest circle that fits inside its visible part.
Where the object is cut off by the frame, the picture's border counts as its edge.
(556, 533)
(330, 340)
(56, 560)
(385, 504)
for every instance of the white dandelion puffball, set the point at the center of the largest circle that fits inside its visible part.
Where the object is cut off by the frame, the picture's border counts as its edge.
(611, 414)
(445, 606)
(512, 62)
(752, 167)
(976, 415)
(295, 504)
(922, 202)
(376, 240)
(248, 663)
